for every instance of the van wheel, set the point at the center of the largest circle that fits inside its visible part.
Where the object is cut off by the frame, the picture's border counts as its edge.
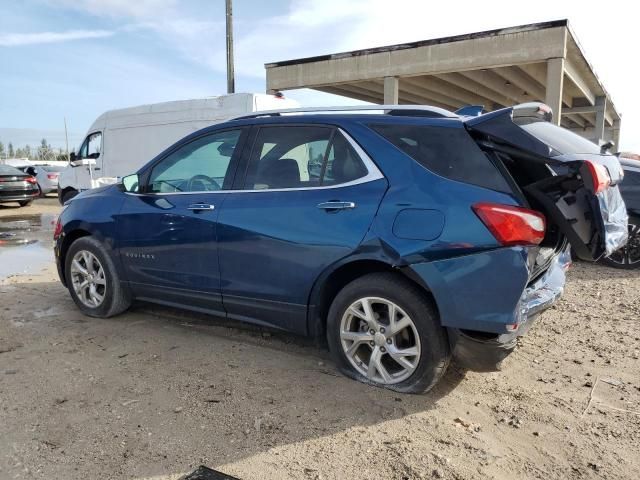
(68, 195)
(25, 203)
(383, 330)
(93, 281)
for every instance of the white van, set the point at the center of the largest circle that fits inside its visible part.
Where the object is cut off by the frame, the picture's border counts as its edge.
(121, 141)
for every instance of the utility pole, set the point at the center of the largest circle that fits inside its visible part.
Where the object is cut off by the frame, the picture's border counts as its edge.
(231, 87)
(66, 139)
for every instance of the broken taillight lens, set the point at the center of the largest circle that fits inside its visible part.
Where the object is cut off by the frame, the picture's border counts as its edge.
(57, 231)
(512, 225)
(599, 175)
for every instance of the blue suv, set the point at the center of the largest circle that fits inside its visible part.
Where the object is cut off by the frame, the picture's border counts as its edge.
(404, 237)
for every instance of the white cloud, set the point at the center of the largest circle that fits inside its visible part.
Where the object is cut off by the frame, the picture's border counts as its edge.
(141, 9)
(20, 39)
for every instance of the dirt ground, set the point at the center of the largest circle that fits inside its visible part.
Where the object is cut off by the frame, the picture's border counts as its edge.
(156, 392)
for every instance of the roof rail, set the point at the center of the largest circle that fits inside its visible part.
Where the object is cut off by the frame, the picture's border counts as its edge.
(398, 110)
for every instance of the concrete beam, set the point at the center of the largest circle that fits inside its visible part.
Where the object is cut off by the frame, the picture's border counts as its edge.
(495, 82)
(352, 93)
(427, 95)
(437, 85)
(523, 81)
(575, 77)
(433, 58)
(471, 86)
(555, 79)
(390, 90)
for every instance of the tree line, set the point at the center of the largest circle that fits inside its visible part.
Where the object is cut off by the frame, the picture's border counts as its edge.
(43, 152)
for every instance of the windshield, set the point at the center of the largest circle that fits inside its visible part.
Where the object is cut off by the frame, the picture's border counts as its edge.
(8, 170)
(559, 139)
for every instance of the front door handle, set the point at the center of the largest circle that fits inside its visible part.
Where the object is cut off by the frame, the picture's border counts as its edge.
(201, 206)
(334, 205)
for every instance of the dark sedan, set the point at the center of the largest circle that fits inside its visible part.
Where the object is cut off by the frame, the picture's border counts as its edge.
(17, 186)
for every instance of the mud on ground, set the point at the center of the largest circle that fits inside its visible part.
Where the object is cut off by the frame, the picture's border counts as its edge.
(156, 392)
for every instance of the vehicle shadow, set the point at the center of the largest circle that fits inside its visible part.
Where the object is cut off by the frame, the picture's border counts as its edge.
(181, 388)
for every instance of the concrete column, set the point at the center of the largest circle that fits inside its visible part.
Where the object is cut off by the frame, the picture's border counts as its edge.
(616, 135)
(390, 90)
(555, 80)
(601, 105)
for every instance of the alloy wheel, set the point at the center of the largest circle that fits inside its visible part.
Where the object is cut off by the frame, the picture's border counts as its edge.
(88, 279)
(380, 340)
(629, 255)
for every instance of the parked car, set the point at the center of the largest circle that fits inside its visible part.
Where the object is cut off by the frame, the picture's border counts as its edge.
(424, 234)
(17, 186)
(46, 175)
(121, 141)
(628, 257)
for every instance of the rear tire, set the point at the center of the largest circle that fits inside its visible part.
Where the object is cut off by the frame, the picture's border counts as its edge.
(412, 334)
(25, 203)
(628, 257)
(93, 280)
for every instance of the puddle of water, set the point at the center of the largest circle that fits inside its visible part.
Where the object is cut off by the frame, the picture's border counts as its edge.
(26, 243)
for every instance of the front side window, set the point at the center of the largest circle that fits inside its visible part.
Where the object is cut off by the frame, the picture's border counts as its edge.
(92, 146)
(199, 166)
(301, 157)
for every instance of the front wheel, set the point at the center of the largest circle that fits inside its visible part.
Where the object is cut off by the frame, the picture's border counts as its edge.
(25, 203)
(382, 329)
(627, 257)
(93, 281)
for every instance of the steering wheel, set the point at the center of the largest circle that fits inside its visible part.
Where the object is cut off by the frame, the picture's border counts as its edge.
(202, 179)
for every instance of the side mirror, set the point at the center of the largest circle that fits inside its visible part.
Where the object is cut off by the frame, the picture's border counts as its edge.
(72, 157)
(131, 183)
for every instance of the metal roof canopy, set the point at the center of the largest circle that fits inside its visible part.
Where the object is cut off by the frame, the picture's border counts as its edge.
(496, 68)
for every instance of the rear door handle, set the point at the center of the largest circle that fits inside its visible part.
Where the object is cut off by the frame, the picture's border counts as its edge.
(334, 205)
(201, 206)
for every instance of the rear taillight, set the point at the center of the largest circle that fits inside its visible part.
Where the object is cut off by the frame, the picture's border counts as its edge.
(52, 176)
(31, 180)
(512, 225)
(599, 175)
(57, 231)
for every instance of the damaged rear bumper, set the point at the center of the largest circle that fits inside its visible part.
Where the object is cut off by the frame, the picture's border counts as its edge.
(484, 352)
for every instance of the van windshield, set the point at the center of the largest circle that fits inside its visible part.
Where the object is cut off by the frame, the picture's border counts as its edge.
(561, 140)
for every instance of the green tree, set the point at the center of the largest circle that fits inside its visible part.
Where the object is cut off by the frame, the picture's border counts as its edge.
(11, 152)
(1, 149)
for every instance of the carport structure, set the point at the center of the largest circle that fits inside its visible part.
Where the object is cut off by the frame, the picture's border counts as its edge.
(496, 68)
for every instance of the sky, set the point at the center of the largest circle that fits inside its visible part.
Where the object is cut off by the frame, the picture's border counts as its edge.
(75, 59)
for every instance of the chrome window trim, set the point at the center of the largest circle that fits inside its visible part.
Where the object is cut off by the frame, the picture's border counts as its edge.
(373, 173)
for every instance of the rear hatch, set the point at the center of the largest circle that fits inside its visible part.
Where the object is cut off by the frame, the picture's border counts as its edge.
(560, 174)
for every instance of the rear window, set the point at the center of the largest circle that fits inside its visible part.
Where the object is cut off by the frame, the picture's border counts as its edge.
(8, 170)
(448, 152)
(561, 140)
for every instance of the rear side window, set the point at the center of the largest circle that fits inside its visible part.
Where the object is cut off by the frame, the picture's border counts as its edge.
(561, 140)
(301, 157)
(448, 152)
(631, 178)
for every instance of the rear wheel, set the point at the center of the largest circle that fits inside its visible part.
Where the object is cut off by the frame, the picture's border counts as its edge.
(383, 330)
(93, 281)
(25, 203)
(628, 257)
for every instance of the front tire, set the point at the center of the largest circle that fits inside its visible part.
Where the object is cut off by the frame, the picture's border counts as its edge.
(93, 281)
(382, 329)
(25, 203)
